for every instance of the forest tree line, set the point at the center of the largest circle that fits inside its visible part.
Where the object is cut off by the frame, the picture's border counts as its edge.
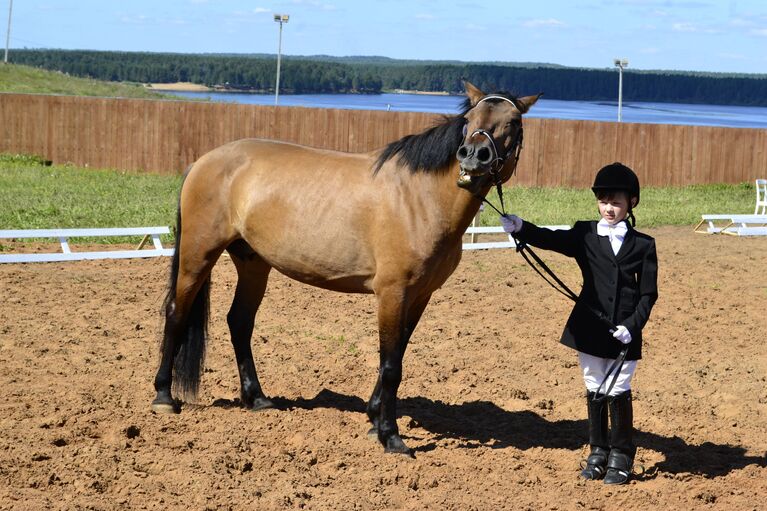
(324, 74)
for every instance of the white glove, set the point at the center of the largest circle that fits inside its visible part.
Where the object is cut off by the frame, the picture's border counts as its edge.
(511, 223)
(622, 334)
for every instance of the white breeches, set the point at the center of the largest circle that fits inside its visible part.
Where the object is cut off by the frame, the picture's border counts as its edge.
(595, 368)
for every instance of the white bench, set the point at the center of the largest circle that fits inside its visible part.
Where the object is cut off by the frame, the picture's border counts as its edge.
(66, 254)
(496, 229)
(761, 197)
(736, 225)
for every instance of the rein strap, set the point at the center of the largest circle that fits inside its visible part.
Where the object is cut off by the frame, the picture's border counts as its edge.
(522, 248)
(617, 365)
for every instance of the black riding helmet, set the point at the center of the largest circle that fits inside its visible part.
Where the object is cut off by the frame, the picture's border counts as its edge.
(618, 177)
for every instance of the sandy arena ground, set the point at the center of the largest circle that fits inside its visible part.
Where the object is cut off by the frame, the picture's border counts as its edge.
(491, 402)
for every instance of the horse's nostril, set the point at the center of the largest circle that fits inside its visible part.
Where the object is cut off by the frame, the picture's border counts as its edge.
(462, 152)
(484, 155)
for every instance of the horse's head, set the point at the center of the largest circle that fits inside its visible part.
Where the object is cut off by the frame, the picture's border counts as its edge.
(492, 138)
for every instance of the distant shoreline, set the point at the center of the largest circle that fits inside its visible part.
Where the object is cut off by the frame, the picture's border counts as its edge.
(179, 86)
(424, 92)
(196, 87)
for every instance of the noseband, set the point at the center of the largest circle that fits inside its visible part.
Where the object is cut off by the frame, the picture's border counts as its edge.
(499, 161)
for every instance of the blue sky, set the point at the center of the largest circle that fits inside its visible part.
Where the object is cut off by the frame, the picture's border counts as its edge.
(693, 35)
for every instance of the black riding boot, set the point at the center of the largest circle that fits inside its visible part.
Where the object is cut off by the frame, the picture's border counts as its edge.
(622, 449)
(596, 463)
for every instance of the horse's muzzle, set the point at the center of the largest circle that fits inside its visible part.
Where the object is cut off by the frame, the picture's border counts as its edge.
(475, 160)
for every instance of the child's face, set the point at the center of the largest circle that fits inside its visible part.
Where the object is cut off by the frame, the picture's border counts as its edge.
(613, 208)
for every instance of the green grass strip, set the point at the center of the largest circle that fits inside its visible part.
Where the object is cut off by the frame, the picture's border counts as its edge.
(657, 206)
(35, 196)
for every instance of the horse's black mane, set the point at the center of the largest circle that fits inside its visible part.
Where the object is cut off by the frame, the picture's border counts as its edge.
(434, 148)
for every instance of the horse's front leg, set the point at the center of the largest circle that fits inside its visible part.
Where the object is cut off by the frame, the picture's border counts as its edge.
(391, 334)
(374, 404)
(395, 325)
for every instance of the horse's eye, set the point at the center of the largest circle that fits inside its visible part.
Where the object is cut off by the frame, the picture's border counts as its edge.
(465, 129)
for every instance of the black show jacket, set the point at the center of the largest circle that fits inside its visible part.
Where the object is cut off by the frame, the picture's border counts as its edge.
(622, 287)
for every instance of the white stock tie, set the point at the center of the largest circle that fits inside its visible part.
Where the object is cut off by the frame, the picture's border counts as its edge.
(616, 233)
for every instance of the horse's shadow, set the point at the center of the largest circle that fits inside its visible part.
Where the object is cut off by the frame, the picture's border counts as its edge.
(482, 424)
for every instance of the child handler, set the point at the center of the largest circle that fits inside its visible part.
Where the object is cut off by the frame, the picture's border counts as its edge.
(620, 268)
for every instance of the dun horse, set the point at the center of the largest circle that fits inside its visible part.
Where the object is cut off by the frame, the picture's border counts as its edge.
(389, 222)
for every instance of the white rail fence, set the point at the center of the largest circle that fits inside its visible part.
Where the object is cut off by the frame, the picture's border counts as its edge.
(474, 231)
(67, 254)
(157, 249)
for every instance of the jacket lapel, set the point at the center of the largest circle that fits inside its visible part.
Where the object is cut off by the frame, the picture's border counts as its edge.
(628, 244)
(603, 241)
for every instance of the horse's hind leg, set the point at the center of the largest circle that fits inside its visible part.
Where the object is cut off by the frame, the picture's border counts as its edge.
(252, 276)
(186, 316)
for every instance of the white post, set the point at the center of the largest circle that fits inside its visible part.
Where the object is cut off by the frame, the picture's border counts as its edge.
(8, 32)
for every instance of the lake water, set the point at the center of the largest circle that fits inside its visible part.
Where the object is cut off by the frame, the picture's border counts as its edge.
(657, 113)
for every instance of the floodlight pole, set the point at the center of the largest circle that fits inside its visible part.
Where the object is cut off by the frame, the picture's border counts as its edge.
(620, 64)
(279, 18)
(8, 32)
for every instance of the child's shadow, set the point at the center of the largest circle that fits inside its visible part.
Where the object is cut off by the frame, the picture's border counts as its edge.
(482, 423)
(707, 459)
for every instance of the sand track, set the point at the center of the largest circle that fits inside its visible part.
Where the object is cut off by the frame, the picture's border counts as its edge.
(492, 404)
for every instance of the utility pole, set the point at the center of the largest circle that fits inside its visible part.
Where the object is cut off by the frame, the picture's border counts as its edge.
(8, 32)
(279, 18)
(620, 64)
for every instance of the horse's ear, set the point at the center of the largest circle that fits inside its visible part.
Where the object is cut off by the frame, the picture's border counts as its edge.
(528, 101)
(473, 93)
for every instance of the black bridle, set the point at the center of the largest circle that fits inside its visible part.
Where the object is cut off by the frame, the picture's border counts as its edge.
(499, 160)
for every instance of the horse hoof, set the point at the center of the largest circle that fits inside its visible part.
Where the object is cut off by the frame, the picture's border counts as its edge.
(260, 403)
(395, 445)
(373, 434)
(164, 407)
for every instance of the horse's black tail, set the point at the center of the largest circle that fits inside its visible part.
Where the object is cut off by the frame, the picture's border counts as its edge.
(186, 335)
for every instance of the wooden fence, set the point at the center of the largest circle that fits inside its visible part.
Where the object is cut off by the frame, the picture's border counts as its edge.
(167, 136)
